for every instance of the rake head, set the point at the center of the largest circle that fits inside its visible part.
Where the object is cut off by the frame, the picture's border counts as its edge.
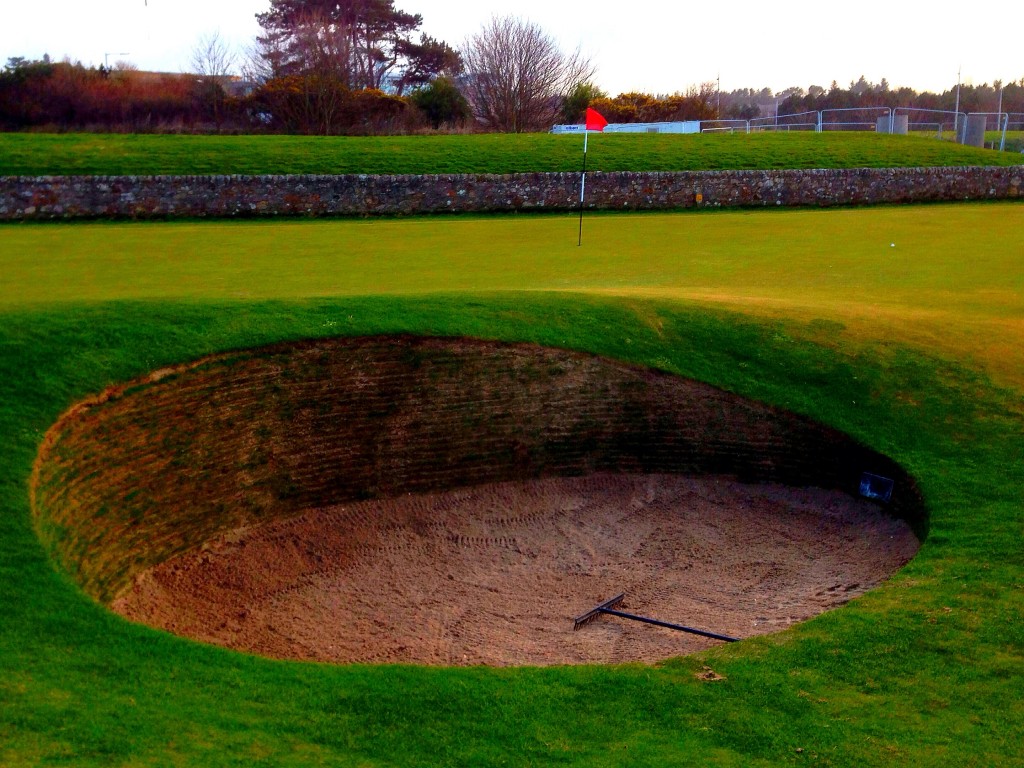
(596, 611)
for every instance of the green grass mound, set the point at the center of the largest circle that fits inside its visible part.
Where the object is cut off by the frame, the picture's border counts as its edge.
(925, 669)
(99, 154)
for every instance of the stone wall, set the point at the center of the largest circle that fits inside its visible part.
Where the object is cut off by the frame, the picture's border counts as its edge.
(142, 197)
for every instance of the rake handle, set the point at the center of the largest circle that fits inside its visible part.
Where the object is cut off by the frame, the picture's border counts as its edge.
(669, 625)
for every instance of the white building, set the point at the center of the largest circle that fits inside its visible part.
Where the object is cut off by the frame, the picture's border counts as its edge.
(684, 126)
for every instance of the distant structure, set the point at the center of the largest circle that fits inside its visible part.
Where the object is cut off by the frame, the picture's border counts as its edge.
(683, 126)
(238, 87)
(391, 82)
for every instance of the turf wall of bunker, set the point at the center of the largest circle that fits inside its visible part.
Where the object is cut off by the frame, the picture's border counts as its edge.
(70, 197)
(155, 467)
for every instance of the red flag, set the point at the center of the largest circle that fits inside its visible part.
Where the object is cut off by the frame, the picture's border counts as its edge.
(595, 122)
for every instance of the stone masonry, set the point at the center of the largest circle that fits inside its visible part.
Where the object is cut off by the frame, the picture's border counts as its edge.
(162, 197)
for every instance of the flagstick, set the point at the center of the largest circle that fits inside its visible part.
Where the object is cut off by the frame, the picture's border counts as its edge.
(583, 184)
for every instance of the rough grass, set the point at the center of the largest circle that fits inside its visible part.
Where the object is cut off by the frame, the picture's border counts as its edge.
(925, 670)
(145, 154)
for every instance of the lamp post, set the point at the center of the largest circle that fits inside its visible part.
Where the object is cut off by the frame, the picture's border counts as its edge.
(956, 109)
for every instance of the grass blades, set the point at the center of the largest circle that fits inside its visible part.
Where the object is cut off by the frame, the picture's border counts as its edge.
(869, 684)
(31, 154)
(925, 670)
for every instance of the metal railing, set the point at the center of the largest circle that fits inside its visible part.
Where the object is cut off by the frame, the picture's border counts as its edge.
(958, 121)
(927, 120)
(1002, 123)
(779, 122)
(832, 125)
(725, 126)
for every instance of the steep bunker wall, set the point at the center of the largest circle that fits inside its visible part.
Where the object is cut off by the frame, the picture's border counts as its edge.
(162, 466)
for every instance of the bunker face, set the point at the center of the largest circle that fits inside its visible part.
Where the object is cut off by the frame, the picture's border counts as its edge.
(457, 502)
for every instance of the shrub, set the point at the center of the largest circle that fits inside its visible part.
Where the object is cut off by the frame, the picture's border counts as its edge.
(442, 103)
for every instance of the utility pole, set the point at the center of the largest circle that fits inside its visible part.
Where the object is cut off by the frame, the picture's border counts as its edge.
(999, 116)
(956, 109)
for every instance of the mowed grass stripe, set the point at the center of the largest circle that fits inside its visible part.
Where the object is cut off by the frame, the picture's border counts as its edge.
(944, 277)
(33, 154)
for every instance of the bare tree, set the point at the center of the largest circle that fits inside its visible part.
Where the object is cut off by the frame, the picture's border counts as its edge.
(517, 76)
(212, 62)
(212, 58)
(257, 61)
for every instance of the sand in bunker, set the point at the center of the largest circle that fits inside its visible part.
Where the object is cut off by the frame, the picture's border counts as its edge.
(495, 574)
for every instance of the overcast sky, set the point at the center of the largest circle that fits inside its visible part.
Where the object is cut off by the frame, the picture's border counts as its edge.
(658, 46)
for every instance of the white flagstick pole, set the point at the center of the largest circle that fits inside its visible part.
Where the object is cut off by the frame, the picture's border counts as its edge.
(583, 184)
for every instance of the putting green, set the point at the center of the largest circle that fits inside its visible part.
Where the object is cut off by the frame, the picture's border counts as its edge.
(942, 277)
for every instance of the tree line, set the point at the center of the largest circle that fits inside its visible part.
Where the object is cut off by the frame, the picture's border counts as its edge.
(363, 66)
(999, 96)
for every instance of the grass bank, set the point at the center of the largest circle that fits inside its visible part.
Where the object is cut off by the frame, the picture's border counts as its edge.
(25, 154)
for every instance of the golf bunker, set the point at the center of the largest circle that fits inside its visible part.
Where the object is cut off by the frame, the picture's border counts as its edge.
(452, 501)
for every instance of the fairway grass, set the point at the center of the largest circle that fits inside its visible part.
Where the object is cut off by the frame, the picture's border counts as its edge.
(905, 348)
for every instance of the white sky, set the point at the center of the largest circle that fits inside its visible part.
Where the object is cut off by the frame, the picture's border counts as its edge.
(658, 46)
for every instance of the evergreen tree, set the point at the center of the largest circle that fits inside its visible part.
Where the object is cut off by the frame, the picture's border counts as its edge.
(358, 42)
